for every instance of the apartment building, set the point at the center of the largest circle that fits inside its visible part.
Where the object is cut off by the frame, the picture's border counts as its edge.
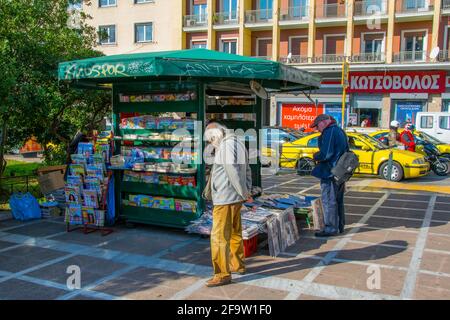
(398, 52)
(132, 26)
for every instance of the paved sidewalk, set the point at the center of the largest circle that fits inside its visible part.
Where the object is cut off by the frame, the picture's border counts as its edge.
(403, 236)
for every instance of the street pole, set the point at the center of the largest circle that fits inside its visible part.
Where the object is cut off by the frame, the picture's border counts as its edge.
(344, 94)
(344, 82)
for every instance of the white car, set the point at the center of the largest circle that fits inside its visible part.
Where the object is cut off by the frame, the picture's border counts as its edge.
(435, 124)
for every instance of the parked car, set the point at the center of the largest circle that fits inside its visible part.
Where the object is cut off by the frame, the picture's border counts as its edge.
(272, 140)
(435, 124)
(373, 157)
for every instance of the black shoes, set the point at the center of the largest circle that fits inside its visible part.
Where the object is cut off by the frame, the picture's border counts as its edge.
(323, 234)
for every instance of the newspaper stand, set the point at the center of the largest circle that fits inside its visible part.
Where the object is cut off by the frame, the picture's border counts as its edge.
(139, 81)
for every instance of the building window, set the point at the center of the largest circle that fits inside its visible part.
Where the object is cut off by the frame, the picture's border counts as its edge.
(265, 7)
(143, 32)
(107, 3)
(264, 48)
(229, 46)
(199, 44)
(107, 34)
(414, 4)
(199, 10)
(414, 46)
(143, 1)
(229, 7)
(298, 8)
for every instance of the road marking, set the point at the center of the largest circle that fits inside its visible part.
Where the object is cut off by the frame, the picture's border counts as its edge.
(298, 287)
(312, 275)
(280, 184)
(91, 286)
(406, 186)
(183, 294)
(310, 188)
(414, 267)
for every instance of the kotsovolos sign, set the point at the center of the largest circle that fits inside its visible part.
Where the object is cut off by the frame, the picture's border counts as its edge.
(397, 82)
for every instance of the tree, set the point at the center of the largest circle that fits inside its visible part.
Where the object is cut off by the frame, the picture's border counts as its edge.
(36, 35)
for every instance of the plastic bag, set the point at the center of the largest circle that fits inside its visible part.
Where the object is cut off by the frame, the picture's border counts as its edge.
(24, 207)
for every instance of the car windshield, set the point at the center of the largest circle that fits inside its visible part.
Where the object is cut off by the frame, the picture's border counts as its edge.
(372, 141)
(429, 138)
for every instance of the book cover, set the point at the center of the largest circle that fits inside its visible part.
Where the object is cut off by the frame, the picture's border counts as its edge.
(85, 148)
(92, 183)
(100, 218)
(88, 215)
(72, 194)
(77, 170)
(78, 159)
(90, 198)
(74, 215)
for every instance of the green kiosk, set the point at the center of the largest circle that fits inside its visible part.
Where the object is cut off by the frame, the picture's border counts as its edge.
(162, 102)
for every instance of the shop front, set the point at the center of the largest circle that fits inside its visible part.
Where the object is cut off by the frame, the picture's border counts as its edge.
(400, 94)
(299, 113)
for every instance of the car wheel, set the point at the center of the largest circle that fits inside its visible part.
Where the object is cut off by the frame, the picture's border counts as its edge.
(396, 173)
(304, 166)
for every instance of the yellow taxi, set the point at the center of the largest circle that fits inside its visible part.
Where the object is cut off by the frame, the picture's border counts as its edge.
(373, 157)
(443, 148)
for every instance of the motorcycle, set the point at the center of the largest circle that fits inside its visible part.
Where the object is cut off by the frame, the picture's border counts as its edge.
(438, 164)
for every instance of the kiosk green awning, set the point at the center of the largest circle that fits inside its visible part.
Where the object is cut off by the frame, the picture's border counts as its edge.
(193, 63)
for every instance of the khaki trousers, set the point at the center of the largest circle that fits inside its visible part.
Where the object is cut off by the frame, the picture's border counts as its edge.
(227, 246)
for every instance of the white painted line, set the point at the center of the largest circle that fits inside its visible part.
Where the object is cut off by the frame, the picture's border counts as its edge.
(92, 286)
(312, 275)
(280, 184)
(316, 186)
(183, 294)
(298, 287)
(411, 276)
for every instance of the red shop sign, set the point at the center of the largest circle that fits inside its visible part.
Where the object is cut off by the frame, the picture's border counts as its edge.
(397, 82)
(299, 115)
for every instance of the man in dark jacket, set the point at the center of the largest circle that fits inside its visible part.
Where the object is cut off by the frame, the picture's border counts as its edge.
(333, 143)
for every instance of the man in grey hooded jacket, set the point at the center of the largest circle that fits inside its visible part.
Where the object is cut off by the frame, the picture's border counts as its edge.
(230, 186)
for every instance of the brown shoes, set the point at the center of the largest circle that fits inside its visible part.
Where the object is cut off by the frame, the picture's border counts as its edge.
(216, 281)
(239, 271)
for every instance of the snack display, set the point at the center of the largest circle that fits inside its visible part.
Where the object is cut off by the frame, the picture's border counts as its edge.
(149, 122)
(186, 96)
(155, 178)
(163, 203)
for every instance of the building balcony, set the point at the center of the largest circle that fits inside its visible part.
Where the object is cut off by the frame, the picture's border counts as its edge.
(294, 15)
(225, 20)
(329, 59)
(411, 57)
(331, 11)
(414, 7)
(367, 58)
(414, 10)
(258, 16)
(370, 8)
(444, 56)
(263, 57)
(446, 7)
(331, 14)
(195, 21)
(294, 59)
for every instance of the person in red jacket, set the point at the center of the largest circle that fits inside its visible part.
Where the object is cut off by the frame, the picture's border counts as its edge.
(407, 137)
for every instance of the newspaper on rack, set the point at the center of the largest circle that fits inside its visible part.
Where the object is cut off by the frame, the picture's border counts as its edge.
(282, 231)
(253, 222)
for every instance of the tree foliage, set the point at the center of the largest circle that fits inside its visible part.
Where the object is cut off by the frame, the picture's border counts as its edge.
(36, 35)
